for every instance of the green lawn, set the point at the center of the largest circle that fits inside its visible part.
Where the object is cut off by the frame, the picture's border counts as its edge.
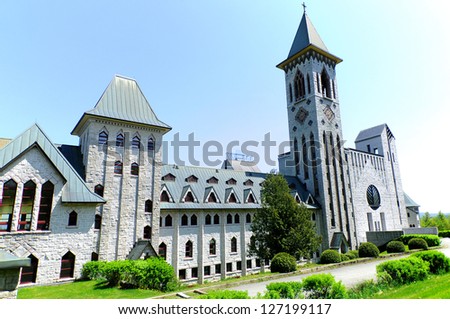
(438, 287)
(83, 290)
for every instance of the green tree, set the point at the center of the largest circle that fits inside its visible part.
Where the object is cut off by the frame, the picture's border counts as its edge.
(441, 221)
(281, 224)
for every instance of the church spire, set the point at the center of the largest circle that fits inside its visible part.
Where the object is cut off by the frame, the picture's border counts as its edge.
(307, 38)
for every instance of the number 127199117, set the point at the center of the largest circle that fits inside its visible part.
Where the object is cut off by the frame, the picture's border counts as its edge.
(292, 309)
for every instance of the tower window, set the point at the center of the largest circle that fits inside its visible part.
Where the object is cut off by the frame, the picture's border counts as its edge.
(147, 232)
(290, 93)
(118, 167)
(299, 86)
(151, 144)
(135, 169)
(99, 190)
(148, 206)
(119, 140)
(103, 138)
(326, 84)
(97, 221)
(308, 82)
(136, 143)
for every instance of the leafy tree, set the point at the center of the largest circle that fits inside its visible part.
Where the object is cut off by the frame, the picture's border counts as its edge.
(281, 224)
(441, 221)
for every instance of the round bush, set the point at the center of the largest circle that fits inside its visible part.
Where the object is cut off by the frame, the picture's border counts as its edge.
(439, 263)
(368, 250)
(395, 247)
(417, 243)
(344, 257)
(403, 271)
(283, 262)
(330, 256)
(352, 254)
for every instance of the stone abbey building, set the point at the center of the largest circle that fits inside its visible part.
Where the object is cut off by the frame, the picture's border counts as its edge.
(110, 197)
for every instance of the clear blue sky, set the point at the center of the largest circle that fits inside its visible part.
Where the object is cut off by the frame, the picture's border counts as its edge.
(208, 68)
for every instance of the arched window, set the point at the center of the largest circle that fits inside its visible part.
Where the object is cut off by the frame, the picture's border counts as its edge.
(26, 208)
(162, 250)
(67, 265)
(229, 219)
(305, 158)
(326, 85)
(208, 219)
(135, 169)
(103, 138)
(212, 198)
(99, 190)
(120, 140)
(164, 197)
(188, 249)
(7, 205)
(184, 220)
(189, 198)
(73, 218)
(248, 218)
(194, 220)
(234, 245)
(29, 274)
(98, 221)
(168, 221)
(136, 143)
(151, 145)
(147, 232)
(232, 198)
(237, 219)
(118, 167)
(216, 219)
(290, 93)
(212, 247)
(296, 157)
(148, 206)
(299, 86)
(45, 206)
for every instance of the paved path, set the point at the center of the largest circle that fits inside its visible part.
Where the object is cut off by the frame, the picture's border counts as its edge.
(350, 275)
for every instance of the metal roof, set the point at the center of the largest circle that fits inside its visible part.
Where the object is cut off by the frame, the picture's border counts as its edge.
(123, 100)
(75, 190)
(8, 261)
(201, 189)
(374, 132)
(305, 39)
(409, 202)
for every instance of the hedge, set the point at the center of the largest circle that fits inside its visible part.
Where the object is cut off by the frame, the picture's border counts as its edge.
(432, 240)
(225, 294)
(444, 233)
(438, 262)
(284, 290)
(323, 286)
(403, 271)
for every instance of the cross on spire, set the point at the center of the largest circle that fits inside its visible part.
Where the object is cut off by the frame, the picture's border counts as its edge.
(304, 7)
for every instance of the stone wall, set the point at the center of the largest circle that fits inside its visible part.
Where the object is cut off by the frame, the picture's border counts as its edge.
(9, 279)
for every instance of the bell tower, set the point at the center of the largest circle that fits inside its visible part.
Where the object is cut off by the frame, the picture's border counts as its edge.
(315, 131)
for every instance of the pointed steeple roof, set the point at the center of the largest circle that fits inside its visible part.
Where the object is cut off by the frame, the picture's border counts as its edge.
(123, 100)
(307, 38)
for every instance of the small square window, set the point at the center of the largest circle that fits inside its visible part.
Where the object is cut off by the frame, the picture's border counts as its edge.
(218, 269)
(207, 270)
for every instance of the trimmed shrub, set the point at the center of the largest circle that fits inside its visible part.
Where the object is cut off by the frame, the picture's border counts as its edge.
(112, 271)
(368, 250)
(225, 294)
(330, 256)
(438, 262)
(323, 286)
(444, 233)
(432, 240)
(152, 273)
(344, 257)
(283, 262)
(403, 271)
(284, 290)
(92, 270)
(417, 243)
(352, 254)
(395, 246)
